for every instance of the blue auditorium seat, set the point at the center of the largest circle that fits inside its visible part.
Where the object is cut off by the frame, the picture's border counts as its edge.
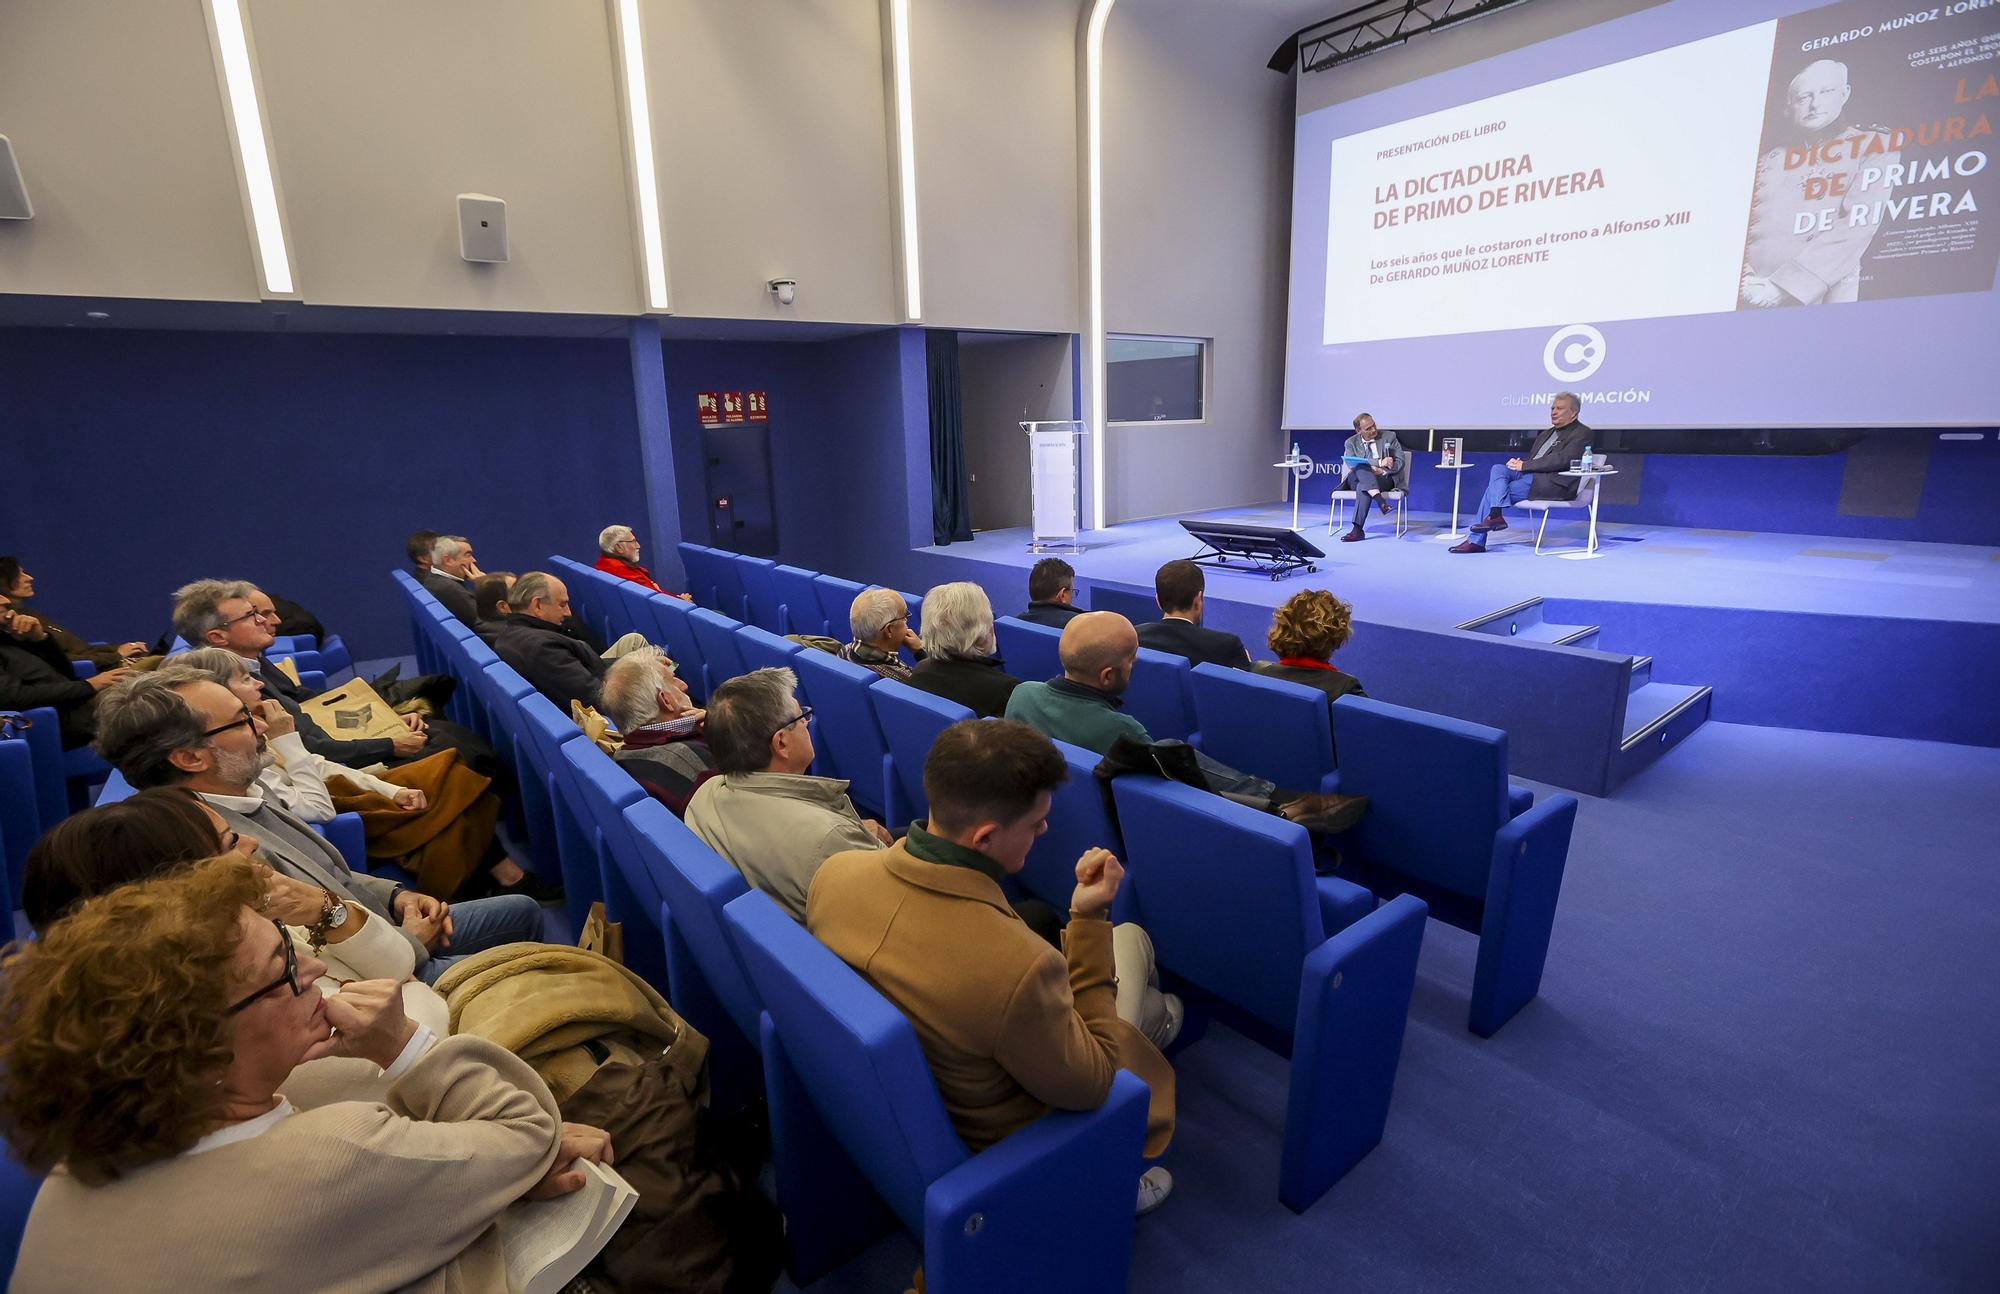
(844, 725)
(1032, 651)
(1441, 824)
(1079, 819)
(836, 600)
(711, 987)
(763, 650)
(501, 692)
(20, 818)
(1233, 908)
(43, 737)
(549, 731)
(1272, 727)
(631, 892)
(18, 1188)
(1047, 1209)
(761, 599)
(1159, 697)
(911, 720)
(721, 658)
(674, 632)
(798, 601)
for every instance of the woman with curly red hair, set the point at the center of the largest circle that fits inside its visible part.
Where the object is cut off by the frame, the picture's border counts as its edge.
(143, 1040)
(1305, 633)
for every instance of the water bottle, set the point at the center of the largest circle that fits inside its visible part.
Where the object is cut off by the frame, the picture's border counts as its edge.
(1295, 451)
(1588, 459)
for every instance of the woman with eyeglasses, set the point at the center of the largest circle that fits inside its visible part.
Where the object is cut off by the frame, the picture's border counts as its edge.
(143, 1043)
(162, 830)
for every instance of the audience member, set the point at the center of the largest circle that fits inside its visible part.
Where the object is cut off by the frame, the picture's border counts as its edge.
(222, 613)
(176, 728)
(618, 554)
(1051, 593)
(1011, 1027)
(530, 637)
(437, 823)
(880, 622)
(18, 586)
(450, 575)
(765, 814)
(959, 661)
(164, 829)
(35, 672)
(419, 549)
(489, 602)
(1085, 706)
(143, 1043)
(664, 749)
(1305, 633)
(1179, 589)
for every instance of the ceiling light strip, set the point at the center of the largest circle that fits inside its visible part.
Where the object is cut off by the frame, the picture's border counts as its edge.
(1093, 75)
(253, 149)
(906, 156)
(639, 137)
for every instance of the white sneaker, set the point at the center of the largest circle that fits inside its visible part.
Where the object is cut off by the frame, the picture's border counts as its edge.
(1154, 1188)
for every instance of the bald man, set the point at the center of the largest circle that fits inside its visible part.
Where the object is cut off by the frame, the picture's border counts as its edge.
(1084, 706)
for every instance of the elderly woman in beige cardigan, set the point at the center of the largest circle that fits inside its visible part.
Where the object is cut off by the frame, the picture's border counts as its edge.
(142, 1043)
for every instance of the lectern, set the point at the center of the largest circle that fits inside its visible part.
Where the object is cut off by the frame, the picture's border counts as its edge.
(1052, 478)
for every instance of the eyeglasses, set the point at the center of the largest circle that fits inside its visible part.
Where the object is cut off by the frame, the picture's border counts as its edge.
(805, 712)
(291, 975)
(244, 722)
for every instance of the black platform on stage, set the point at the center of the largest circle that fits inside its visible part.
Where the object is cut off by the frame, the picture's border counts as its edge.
(1271, 550)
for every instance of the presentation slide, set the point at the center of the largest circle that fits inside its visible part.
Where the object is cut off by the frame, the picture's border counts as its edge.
(1713, 213)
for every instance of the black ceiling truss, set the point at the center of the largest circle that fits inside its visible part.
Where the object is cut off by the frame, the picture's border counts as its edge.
(1376, 25)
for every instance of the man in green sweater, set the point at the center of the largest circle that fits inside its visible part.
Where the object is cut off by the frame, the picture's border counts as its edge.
(1085, 706)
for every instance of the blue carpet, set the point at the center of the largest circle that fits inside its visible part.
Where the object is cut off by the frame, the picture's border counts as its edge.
(1766, 1057)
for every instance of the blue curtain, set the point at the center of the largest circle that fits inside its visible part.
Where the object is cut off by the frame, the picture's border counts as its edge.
(951, 512)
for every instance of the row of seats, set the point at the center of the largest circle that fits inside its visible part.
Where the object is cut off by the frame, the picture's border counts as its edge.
(1229, 893)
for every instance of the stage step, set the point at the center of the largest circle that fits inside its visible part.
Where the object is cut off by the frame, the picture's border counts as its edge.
(1524, 620)
(1658, 717)
(1642, 674)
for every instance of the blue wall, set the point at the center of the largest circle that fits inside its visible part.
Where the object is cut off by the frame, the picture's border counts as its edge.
(850, 448)
(1796, 494)
(137, 461)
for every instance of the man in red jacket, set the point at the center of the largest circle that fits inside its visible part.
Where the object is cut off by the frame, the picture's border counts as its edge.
(618, 554)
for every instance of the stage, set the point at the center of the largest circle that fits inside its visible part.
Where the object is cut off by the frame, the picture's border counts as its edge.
(1412, 580)
(1594, 669)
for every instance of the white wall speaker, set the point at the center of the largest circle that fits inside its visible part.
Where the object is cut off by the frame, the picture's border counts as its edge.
(14, 204)
(482, 228)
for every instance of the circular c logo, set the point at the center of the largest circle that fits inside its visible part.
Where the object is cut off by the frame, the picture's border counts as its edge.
(1574, 352)
(1304, 468)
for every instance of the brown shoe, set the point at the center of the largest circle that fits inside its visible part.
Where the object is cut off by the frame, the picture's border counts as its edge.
(1326, 813)
(1488, 525)
(1466, 546)
(1352, 536)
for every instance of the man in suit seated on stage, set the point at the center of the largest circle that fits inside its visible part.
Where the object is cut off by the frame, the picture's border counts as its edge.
(1051, 594)
(1178, 588)
(1534, 477)
(1385, 467)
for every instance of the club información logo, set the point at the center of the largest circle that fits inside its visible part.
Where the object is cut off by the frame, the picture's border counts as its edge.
(1574, 352)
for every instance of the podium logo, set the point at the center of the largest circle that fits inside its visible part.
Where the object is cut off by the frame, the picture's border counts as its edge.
(1573, 353)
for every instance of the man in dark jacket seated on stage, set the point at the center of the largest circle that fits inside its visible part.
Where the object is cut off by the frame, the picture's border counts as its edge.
(1534, 477)
(1051, 593)
(35, 672)
(1178, 588)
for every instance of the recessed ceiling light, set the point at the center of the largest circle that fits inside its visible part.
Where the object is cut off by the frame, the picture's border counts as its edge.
(96, 314)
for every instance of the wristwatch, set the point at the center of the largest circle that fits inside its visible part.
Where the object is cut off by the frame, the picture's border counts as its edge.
(331, 917)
